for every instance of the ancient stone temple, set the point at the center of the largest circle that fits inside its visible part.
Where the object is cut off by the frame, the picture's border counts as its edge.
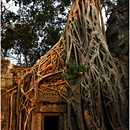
(75, 85)
(118, 38)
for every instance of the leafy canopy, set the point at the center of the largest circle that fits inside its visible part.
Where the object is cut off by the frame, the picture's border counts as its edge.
(35, 28)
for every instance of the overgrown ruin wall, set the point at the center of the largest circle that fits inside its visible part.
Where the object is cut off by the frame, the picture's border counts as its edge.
(118, 39)
(6, 83)
(10, 75)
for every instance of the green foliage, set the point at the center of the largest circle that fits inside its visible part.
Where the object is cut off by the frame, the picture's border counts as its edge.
(74, 70)
(43, 28)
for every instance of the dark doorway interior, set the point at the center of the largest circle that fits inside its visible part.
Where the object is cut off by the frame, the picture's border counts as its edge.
(51, 122)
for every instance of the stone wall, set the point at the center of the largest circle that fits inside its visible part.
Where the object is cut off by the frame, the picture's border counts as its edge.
(118, 31)
(118, 38)
(6, 84)
(118, 41)
(10, 76)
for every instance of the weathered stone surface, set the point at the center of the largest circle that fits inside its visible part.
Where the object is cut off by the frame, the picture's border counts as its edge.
(118, 41)
(6, 83)
(118, 35)
(118, 32)
(6, 76)
(52, 108)
(10, 74)
(49, 96)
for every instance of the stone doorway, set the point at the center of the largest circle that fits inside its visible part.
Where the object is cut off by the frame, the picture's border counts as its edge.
(49, 117)
(51, 122)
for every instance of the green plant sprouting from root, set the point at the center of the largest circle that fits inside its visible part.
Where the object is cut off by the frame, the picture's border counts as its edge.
(74, 70)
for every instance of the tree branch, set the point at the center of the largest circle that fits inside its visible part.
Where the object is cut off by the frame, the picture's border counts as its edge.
(3, 26)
